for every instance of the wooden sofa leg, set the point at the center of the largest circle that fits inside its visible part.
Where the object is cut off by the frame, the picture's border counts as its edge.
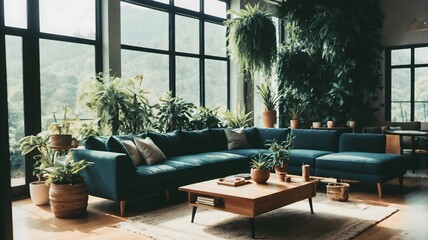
(379, 189)
(122, 208)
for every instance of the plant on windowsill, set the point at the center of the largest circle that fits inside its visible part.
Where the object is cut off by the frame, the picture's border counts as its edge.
(260, 167)
(61, 136)
(68, 191)
(270, 99)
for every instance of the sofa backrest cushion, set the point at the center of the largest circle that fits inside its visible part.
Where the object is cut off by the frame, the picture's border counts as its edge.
(114, 144)
(279, 134)
(218, 138)
(196, 141)
(324, 140)
(253, 137)
(362, 142)
(169, 143)
(96, 143)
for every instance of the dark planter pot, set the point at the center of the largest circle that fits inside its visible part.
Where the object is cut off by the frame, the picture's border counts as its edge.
(60, 140)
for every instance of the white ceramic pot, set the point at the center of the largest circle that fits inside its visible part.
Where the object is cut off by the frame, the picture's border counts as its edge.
(316, 124)
(39, 193)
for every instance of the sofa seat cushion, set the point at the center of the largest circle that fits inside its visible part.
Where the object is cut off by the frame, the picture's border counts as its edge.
(304, 156)
(362, 162)
(209, 158)
(250, 152)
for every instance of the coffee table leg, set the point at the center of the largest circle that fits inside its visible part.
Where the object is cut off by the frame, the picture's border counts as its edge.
(252, 228)
(193, 213)
(310, 205)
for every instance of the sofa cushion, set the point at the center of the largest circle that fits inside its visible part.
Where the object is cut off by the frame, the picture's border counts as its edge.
(253, 137)
(324, 140)
(196, 141)
(236, 139)
(114, 144)
(362, 142)
(249, 152)
(134, 154)
(218, 138)
(304, 156)
(169, 143)
(362, 162)
(149, 151)
(277, 134)
(96, 143)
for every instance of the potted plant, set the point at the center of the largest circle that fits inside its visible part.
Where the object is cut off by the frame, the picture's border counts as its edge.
(60, 131)
(260, 168)
(39, 191)
(295, 111)
(280, 155)
(270, 99)
(68, 191)
(238, 119)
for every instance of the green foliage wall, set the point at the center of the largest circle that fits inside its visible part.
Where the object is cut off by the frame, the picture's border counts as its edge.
(332, 57)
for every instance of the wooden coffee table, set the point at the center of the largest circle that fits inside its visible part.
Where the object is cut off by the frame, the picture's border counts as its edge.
(251, 199)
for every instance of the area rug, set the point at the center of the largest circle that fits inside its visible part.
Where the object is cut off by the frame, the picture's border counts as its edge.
(420, 173)
(331, 220)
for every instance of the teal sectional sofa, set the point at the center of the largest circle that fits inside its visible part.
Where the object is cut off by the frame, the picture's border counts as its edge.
(201, 155)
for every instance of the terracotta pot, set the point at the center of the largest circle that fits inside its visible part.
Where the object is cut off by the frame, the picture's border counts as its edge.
(281, 172)
(68, 200)
(260, 175)
(294, 123)
(269, 118)
(330, 124)
(316, 124)
(60, 140)
(39, 193)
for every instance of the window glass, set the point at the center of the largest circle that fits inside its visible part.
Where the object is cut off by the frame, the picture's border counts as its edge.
(400, 94)
(154, 68)
(216, 83)
(162, 1)
(63, 68)
(400, 57)
(14, 72)
(187, 79)
(215, 8)
(421, 55)
(15, 13)
(143, 27)
(186, 34)
(215, 39)
(68, 17)
(189, 4)
(421, 94)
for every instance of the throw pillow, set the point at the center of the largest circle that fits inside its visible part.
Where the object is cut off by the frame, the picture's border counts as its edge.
(134, 154)
(236, 139)
(149, 151)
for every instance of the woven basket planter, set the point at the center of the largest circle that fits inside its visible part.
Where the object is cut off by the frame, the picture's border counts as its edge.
(338, 191)
(68, 200)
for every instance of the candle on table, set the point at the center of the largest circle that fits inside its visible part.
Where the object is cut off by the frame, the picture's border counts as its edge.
(305, 172)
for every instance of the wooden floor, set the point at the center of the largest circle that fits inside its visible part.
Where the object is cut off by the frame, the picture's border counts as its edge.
(410, 222)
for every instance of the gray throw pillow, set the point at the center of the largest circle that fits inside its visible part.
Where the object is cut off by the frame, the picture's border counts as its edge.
(236, 139)
(134, 154)
(149, 151)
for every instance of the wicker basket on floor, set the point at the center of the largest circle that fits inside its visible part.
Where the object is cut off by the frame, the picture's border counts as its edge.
(338, 191)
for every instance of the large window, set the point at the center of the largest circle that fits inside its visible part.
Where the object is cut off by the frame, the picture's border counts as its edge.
(51, 49)
(179, 47)
(406, 83)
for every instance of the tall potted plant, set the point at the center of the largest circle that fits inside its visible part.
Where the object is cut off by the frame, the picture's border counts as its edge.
(68, 191)
(270, 99)
(252, 43)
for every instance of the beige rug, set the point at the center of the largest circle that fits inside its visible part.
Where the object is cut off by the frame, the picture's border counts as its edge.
(332, 220)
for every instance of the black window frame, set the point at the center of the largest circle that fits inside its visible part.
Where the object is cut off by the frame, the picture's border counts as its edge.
(388, 77)
(172, 53)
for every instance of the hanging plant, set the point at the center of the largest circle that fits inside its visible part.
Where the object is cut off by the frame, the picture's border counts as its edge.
(252, 39)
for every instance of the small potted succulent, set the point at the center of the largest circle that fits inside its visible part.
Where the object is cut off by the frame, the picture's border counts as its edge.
(260, 168)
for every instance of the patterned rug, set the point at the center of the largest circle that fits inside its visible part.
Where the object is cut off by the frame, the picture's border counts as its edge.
(332, 220)
(420, 173)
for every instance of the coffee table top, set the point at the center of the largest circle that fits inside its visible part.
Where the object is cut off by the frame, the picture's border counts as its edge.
(251, 191)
